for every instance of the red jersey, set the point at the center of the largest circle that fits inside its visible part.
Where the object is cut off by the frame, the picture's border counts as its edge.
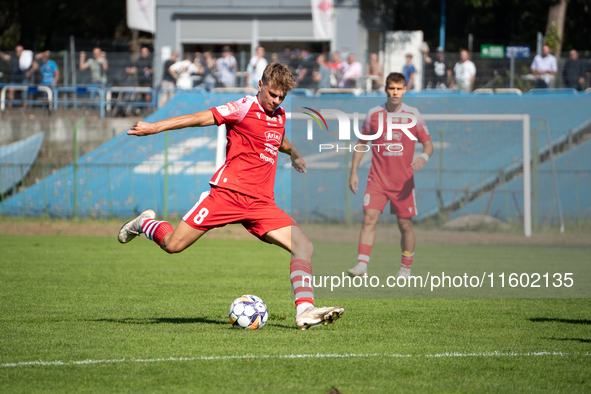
(390, 166)
(253, 141)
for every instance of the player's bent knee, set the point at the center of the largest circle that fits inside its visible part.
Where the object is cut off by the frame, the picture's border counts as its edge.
(304, 249)
(405, 226)
(170, 246)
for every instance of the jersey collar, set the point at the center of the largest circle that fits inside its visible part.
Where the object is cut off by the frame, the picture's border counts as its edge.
(256, 98)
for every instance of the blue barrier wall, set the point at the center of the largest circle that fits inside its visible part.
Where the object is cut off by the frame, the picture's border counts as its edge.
(126, 175)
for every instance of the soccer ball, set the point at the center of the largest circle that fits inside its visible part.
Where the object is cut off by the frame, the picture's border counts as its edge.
(248, 311)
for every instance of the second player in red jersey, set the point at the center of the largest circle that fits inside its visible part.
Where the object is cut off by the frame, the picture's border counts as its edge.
(391, 177)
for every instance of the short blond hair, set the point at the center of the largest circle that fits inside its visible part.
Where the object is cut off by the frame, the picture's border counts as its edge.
(278, 76)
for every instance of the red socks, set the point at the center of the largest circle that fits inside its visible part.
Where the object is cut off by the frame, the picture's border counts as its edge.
(155, 230)
(407, 259)
(364, 253)
(300, 273)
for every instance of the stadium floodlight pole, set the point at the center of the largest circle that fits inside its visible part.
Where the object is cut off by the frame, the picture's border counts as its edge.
(442, 27)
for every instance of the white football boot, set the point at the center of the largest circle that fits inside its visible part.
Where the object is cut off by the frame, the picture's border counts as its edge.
(133, 228)
(359, 270)
(314, 317)
(403, 272)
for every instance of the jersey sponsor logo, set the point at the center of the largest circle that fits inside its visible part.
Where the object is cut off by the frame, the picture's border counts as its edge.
(272, 135)
(267, 159)
(258, 114)
(396, 136)
(227, 109)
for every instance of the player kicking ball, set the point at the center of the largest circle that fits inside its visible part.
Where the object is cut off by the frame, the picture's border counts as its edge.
(391, 174)
(242, 189)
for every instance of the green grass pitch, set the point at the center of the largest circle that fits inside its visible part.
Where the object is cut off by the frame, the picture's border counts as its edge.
(134, 319)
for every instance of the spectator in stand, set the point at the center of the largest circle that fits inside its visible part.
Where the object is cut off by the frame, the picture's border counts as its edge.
(375, 72)
(409, 71)
(168, 80)
(464, 73)
(182, 71)
(574, 71)
(306, 70)
(544, 67)
(226, 66)
(98, 66)
(440, 71)
(352, 71)
(256, 67)
(322, 74)
(22, 62)
(50, 73)
(336, 69)
(209, 64)
(198, 76)
(285, 56)
(295, 61)
(143, 71)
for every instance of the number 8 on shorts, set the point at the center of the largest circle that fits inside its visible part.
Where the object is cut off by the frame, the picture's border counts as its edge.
(201, 215)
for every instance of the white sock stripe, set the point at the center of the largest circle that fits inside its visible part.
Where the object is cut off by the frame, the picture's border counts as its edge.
(363, 257)
(153, 229)
(150, 229)
(406, 256)
(299, 273)
(150, 226)
(146, 223)
(301, 281)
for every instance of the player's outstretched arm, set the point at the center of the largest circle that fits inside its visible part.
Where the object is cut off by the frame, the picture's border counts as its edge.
(420, 161)
(198, 119)
(353, 178)
(297, 161)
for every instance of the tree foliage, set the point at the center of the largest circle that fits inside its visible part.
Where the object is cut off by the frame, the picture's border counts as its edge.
(47, 24)
(490, 21)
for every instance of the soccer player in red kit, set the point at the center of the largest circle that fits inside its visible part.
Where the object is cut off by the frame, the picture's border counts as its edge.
(391, 174)
(242, 189)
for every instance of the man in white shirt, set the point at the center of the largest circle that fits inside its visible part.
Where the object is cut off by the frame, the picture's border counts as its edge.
(544, 67)
(182, 72)
(256, 67)
(226, 66)
(351, 72)
(465, 73)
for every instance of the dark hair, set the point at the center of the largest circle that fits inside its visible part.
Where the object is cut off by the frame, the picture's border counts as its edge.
(395, 77)
(279, 77)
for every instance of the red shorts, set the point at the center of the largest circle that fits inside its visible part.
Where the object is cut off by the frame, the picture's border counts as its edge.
(221, 206)
(402, 203)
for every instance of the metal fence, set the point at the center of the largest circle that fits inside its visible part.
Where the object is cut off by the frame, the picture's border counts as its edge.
(124, 90)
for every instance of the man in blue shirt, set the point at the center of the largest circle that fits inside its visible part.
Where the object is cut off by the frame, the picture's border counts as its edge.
(49, 71)
(409, 71)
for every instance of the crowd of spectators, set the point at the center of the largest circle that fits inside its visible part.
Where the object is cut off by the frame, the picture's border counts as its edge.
(309, 71)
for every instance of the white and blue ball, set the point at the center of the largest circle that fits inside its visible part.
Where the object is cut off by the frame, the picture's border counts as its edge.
(248, 312)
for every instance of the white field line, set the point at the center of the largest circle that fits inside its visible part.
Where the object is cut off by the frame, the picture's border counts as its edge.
(290, 356)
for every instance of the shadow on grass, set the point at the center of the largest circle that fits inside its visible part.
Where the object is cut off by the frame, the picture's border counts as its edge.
(162, 320)
(182, 320)
(582, 340)
(569, 321)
